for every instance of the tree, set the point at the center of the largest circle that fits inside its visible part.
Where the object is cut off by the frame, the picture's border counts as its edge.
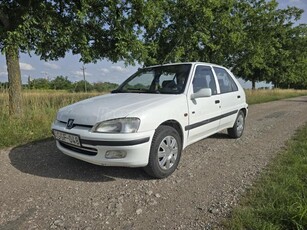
(265, 27)
(299, 54)
(79, 86)
(291, 61)
(193, 30)
(104, 86)
(96, 29)
(39, 83)
(30, 25)
(60, 82)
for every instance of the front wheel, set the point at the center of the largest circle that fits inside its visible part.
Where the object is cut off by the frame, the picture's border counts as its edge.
(237, 130)
(165, 152)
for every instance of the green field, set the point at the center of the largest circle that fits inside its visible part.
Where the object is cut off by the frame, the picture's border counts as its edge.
(278, 200)
(40, 109)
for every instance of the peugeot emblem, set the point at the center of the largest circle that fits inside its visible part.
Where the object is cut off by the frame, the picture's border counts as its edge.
(70, 124)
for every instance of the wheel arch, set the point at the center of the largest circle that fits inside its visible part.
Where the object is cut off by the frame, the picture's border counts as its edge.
(176, 125)
(244, 110)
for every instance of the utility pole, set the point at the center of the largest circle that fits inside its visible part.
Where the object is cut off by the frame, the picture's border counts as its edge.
(83, 69)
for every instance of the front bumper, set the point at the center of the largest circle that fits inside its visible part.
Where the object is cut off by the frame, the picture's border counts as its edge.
(94, 146)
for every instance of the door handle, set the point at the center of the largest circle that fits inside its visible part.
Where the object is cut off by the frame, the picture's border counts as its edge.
(217, 101)
(238, 96)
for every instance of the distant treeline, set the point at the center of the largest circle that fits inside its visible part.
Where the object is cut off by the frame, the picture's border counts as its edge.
(62, 83)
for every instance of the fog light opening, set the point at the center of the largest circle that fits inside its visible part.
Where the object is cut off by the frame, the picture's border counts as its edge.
(115, 154)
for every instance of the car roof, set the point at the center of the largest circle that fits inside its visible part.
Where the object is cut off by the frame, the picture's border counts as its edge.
(182, 63)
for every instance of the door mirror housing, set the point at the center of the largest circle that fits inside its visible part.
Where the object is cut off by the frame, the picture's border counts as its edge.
(206, 92)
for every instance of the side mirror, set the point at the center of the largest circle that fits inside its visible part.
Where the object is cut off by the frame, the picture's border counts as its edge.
(206, 92)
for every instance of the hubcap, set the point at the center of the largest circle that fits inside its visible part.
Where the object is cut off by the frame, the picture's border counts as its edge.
(167, 152)
(240, 124)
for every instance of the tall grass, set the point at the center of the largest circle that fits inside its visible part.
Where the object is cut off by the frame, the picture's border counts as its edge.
(279, 199)
(261, 96)
(40, 109)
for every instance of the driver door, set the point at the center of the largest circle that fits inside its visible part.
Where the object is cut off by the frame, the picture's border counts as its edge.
(204, 112)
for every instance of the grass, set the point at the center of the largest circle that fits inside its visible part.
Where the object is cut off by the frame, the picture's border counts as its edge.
(278, 200)
(40, 109)
(261, 96)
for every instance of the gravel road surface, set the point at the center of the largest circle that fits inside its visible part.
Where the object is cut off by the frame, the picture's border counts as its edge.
(42, 188)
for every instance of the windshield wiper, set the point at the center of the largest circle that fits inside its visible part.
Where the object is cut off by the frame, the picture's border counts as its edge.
(136, 89)
(116, 91)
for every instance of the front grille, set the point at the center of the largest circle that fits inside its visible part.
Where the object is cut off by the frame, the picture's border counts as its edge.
(82, 150)
(76, 125)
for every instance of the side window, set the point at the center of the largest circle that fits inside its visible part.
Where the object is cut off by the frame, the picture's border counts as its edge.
(226, 82)
(204, 78)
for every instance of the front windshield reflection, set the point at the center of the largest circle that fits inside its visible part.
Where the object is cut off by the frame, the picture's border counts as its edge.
(169, 79)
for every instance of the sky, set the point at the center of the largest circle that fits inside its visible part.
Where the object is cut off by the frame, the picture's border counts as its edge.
(102, 71)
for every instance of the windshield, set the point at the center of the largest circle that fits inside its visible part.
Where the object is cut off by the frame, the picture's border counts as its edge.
(170, 79)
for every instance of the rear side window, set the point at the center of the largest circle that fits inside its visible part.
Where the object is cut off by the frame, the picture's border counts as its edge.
(226, 82)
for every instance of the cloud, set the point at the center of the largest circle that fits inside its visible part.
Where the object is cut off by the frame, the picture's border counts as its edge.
(51, 65)
(80, 73)
(118, 68)
(3, 73)
(25, 66)
(105, 70)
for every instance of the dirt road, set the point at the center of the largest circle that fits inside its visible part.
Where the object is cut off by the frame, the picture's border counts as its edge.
(42, 188)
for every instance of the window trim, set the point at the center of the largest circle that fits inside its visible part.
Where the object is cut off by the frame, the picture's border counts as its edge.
(213, 74)
(229, 75)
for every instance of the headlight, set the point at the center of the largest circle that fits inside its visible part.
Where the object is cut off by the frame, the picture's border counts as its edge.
(121, 125)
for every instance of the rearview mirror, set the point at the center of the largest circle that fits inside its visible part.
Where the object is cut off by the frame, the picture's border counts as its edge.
(206, 92)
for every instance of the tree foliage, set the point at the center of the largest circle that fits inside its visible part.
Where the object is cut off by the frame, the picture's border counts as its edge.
(255, 38)
(193, 30)
(63, 83)
(60, 82)
(263, 53)
(39, 83)
(291, 66)
(96, 29)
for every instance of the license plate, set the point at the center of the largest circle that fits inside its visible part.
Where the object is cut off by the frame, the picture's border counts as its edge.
(67, 137)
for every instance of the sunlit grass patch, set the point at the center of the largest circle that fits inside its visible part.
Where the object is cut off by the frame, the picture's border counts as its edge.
(261, 95)
(279, 199)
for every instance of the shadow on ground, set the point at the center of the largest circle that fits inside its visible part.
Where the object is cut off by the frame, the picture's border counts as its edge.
(45, 160)
(220, 136)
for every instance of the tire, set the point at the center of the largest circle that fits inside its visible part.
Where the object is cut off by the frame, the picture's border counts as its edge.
(165, 152)
(237, 130)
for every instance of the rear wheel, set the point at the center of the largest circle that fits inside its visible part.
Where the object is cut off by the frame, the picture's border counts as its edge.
(165, 152)
(237, 130)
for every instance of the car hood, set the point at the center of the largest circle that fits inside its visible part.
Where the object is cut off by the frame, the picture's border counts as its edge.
(106, 107)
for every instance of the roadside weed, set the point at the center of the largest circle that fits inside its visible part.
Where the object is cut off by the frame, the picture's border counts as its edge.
(278, 200)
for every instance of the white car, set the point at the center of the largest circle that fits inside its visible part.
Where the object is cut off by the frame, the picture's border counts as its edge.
(152, 117)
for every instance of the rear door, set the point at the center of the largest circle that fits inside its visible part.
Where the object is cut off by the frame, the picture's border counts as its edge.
(204, 113)
(230, 97)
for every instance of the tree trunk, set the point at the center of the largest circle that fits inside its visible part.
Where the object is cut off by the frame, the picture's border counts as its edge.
(253, 84)
(14, 77)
